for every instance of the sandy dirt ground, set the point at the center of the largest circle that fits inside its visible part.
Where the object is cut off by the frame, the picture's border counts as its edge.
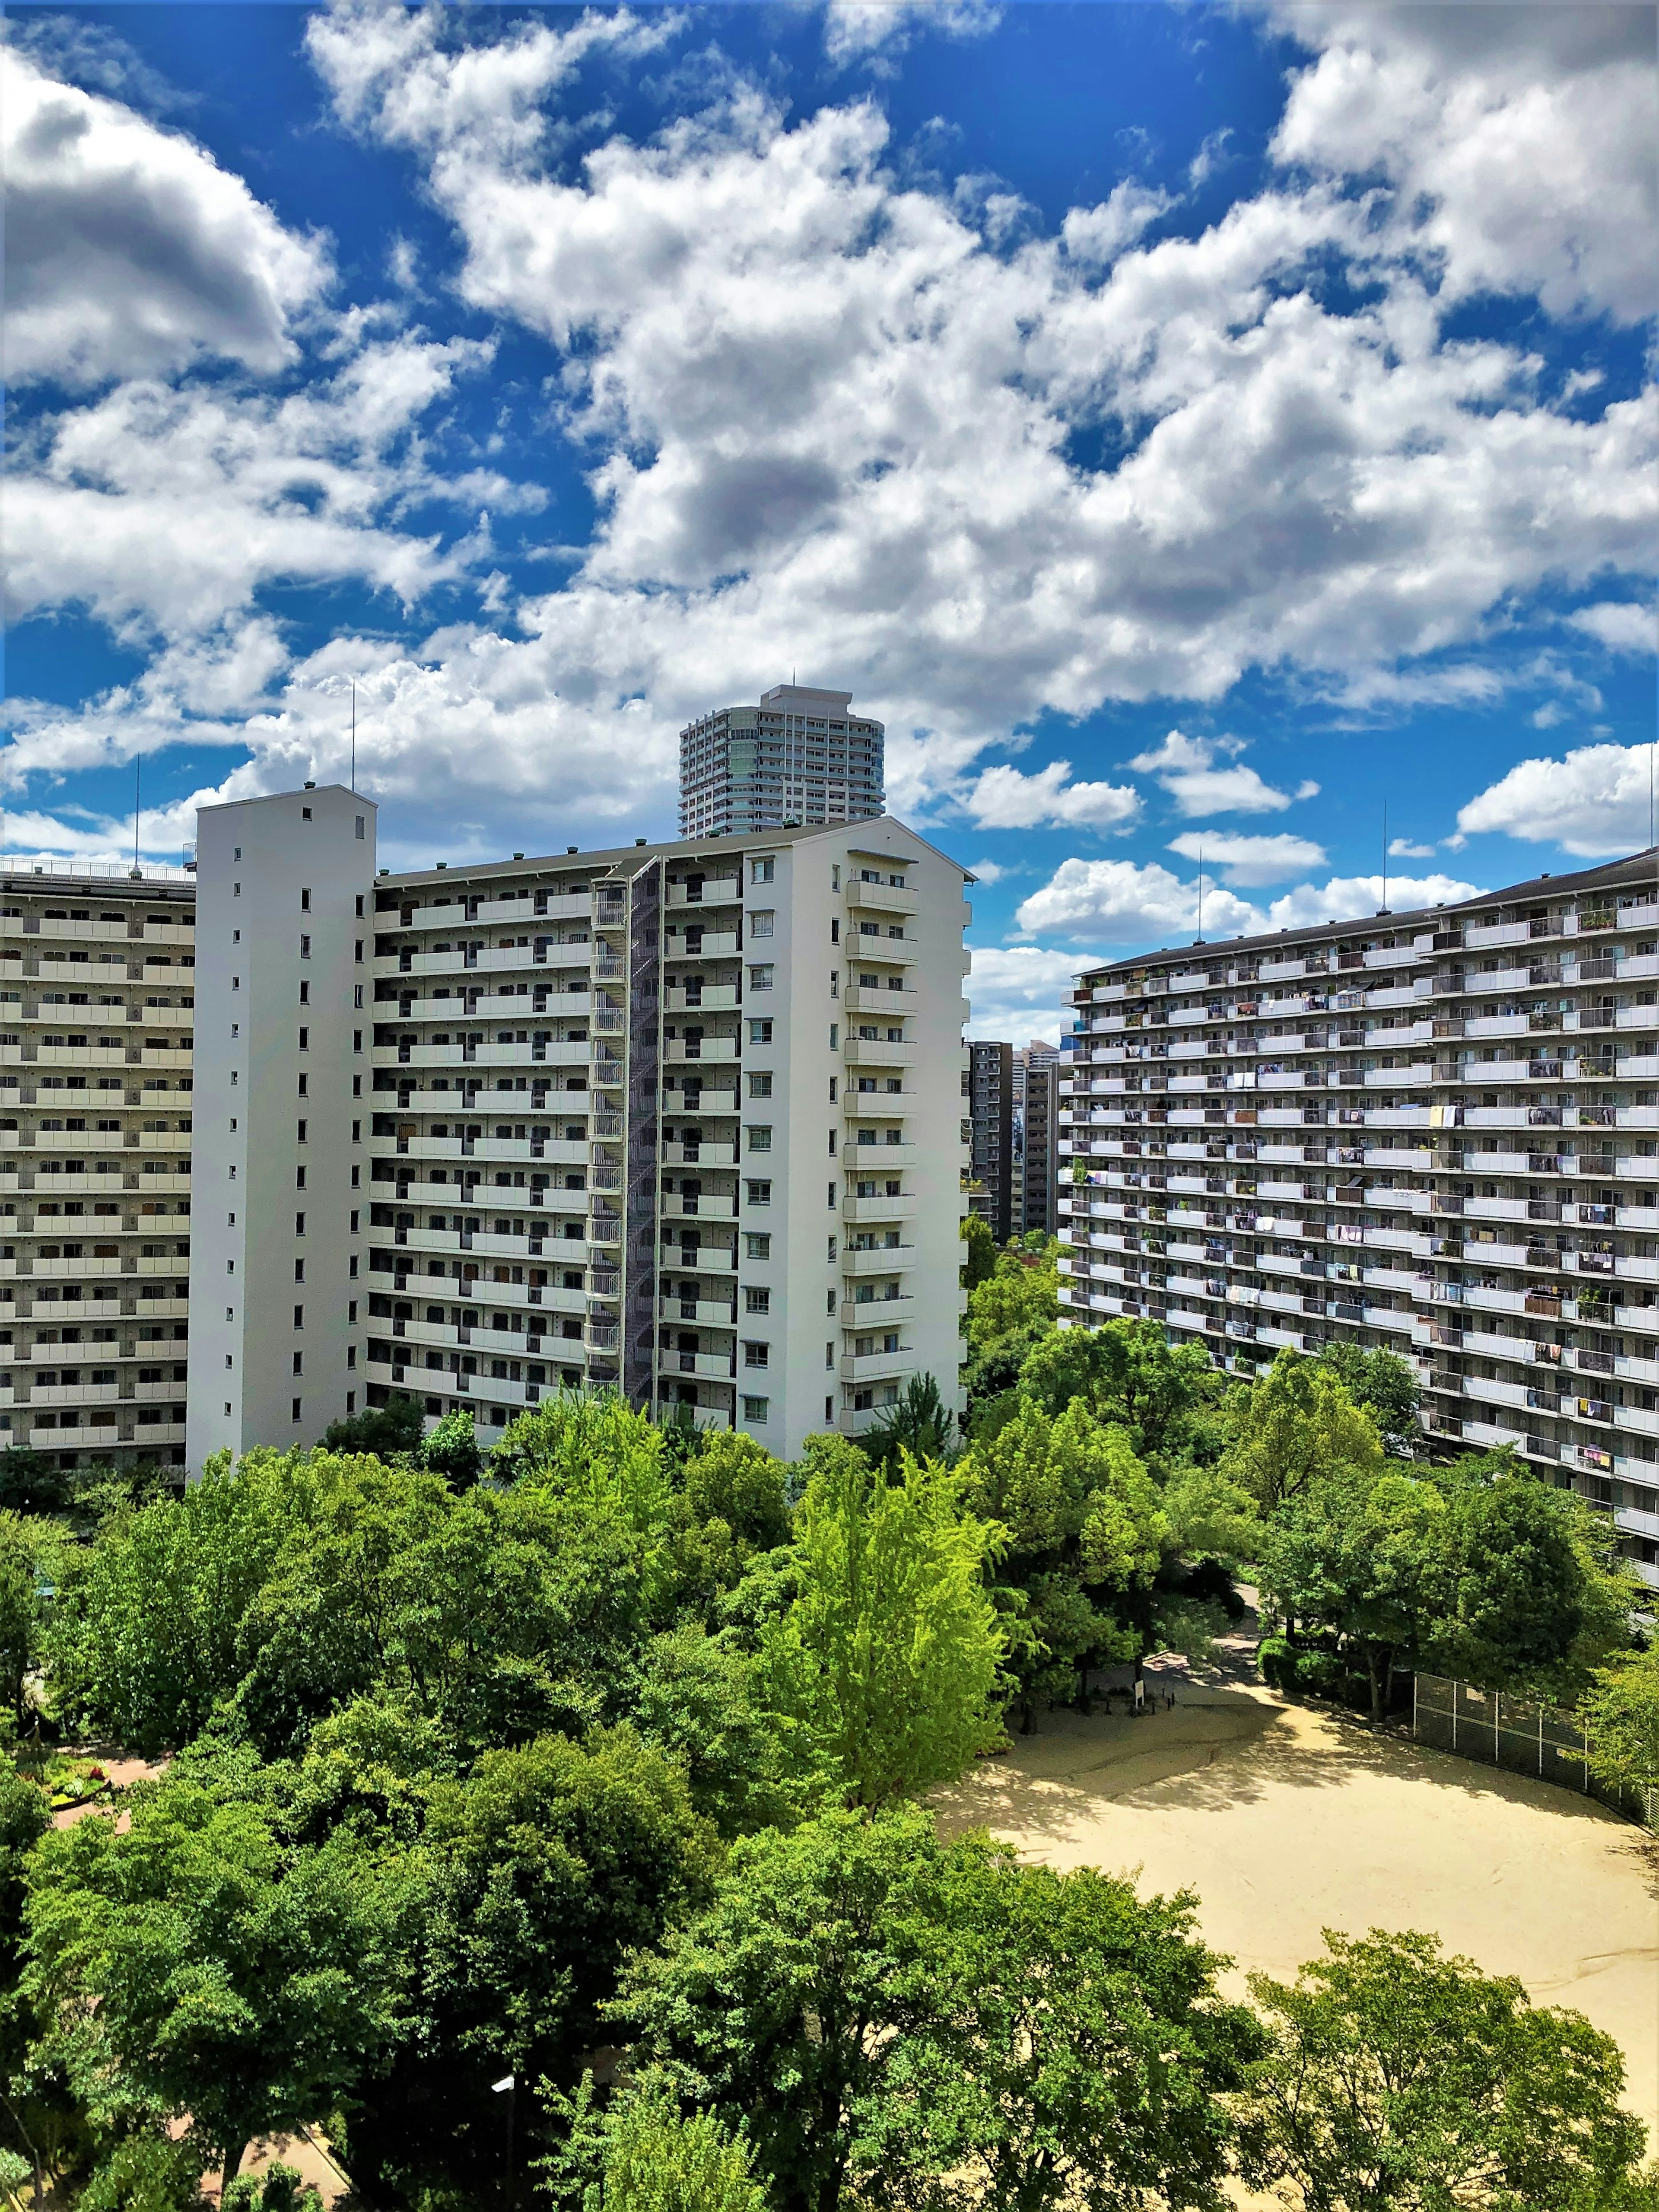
(1286, 1820)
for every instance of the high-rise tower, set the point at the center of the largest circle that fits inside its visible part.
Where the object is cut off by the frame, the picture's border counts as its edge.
(799, 758)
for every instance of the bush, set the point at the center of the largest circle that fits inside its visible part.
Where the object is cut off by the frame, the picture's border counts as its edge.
(1278, 1662)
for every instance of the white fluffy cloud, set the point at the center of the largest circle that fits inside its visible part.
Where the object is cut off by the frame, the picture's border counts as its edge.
(1005, 798)
(129, 251)
(1519, 141)
(825, 405)
(1358, 897)
(1595, 801)
(1187, 768)
(1622, 625)
(859, 30)
(1125, 901)
(1249, 862)
(1401, 848)
(828, 407)
(1018, 991)
(166, 509)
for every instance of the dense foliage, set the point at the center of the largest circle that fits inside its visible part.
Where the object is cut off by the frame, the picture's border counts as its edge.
(475, 1766)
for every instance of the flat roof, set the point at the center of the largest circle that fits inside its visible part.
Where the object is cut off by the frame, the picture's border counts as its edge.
(706, 848)
(1636, 867)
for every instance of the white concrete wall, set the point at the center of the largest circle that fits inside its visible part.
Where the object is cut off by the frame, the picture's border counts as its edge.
(283, 1028)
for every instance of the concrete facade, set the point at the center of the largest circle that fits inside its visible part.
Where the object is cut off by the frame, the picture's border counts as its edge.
(993, 1165)
(685, 1118)
(97, 1024)
(800, 757)
(278, 1304)
(1037, 1068)
(1433, 1131)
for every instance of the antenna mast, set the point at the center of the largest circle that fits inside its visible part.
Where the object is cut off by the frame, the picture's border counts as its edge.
(354, 735)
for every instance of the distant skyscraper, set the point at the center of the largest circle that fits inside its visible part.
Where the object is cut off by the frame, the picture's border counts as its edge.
(799, 757)
(991, 1106)
(1036, 1081)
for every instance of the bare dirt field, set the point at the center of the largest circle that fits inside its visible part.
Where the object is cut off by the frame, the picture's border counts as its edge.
(1286, 1820)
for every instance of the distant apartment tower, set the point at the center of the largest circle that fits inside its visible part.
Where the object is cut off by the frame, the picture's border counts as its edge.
(1037, 1073)
(683, 1118)
(97, 1020)
(801, 758)
(1432, 1131)
(991, 1110)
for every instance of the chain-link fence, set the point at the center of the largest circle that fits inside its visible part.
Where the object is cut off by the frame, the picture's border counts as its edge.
(1518, 1735)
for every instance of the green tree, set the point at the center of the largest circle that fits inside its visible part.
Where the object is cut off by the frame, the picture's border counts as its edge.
(194, 1964)
(144, 1633)
(24, 1547)
(30, 1484)
(1014, 1306)
(1129, 1374)
(640, 2154)
(1520, 1590)
(698, 1699)
(736, 1481)
(1620, 1717)
(1403, 2080)
(453, 1450)
(1084, 1534)
(554, 1861)
(919, 1424)
(147, 2172)
(903, 2022)
(1372, 1560)
(1296, 1428)
(883, 1672)
(1386, 1385)
(979, 1261)
(379, 1431)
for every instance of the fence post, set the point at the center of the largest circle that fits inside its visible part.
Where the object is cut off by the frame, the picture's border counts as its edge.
(1541, 1743)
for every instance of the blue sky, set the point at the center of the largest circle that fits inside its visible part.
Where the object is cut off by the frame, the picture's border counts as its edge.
(1186, 427)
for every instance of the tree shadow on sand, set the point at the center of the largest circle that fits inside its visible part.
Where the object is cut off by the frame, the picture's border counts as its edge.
(1218, 1749)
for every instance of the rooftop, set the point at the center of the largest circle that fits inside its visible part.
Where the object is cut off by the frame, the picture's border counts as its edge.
(1614, 875)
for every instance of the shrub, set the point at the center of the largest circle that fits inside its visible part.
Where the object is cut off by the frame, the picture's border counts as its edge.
(1278, 1662)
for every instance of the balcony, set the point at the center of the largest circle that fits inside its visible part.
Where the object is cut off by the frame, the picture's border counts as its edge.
(708, 944)
(892, 899)
(679, 1052)
(714, 1366)
(713, 998)
(876, 1366)
(713, 891)
(871, 1052)
(857, 1209)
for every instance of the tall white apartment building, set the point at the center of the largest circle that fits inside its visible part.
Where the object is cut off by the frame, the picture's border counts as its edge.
(97, 1017)
(801, 758)
(1432, 1131)
(683, 1117)
(278, 1292)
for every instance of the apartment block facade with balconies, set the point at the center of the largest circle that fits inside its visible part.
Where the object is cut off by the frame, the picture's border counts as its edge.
(682, 1118)
(1435, 1132)
(97, 1022)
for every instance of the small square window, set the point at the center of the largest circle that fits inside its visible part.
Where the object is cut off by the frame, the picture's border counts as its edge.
(757, 1244)
(760, 1192)
(756, 1355)
(760, 1032)
(760, 869)
(756, 1301)
(759, 1134)
(760, 1085)
(754, 1409)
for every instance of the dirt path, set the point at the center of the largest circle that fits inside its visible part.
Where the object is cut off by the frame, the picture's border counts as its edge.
(1287, 1820)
